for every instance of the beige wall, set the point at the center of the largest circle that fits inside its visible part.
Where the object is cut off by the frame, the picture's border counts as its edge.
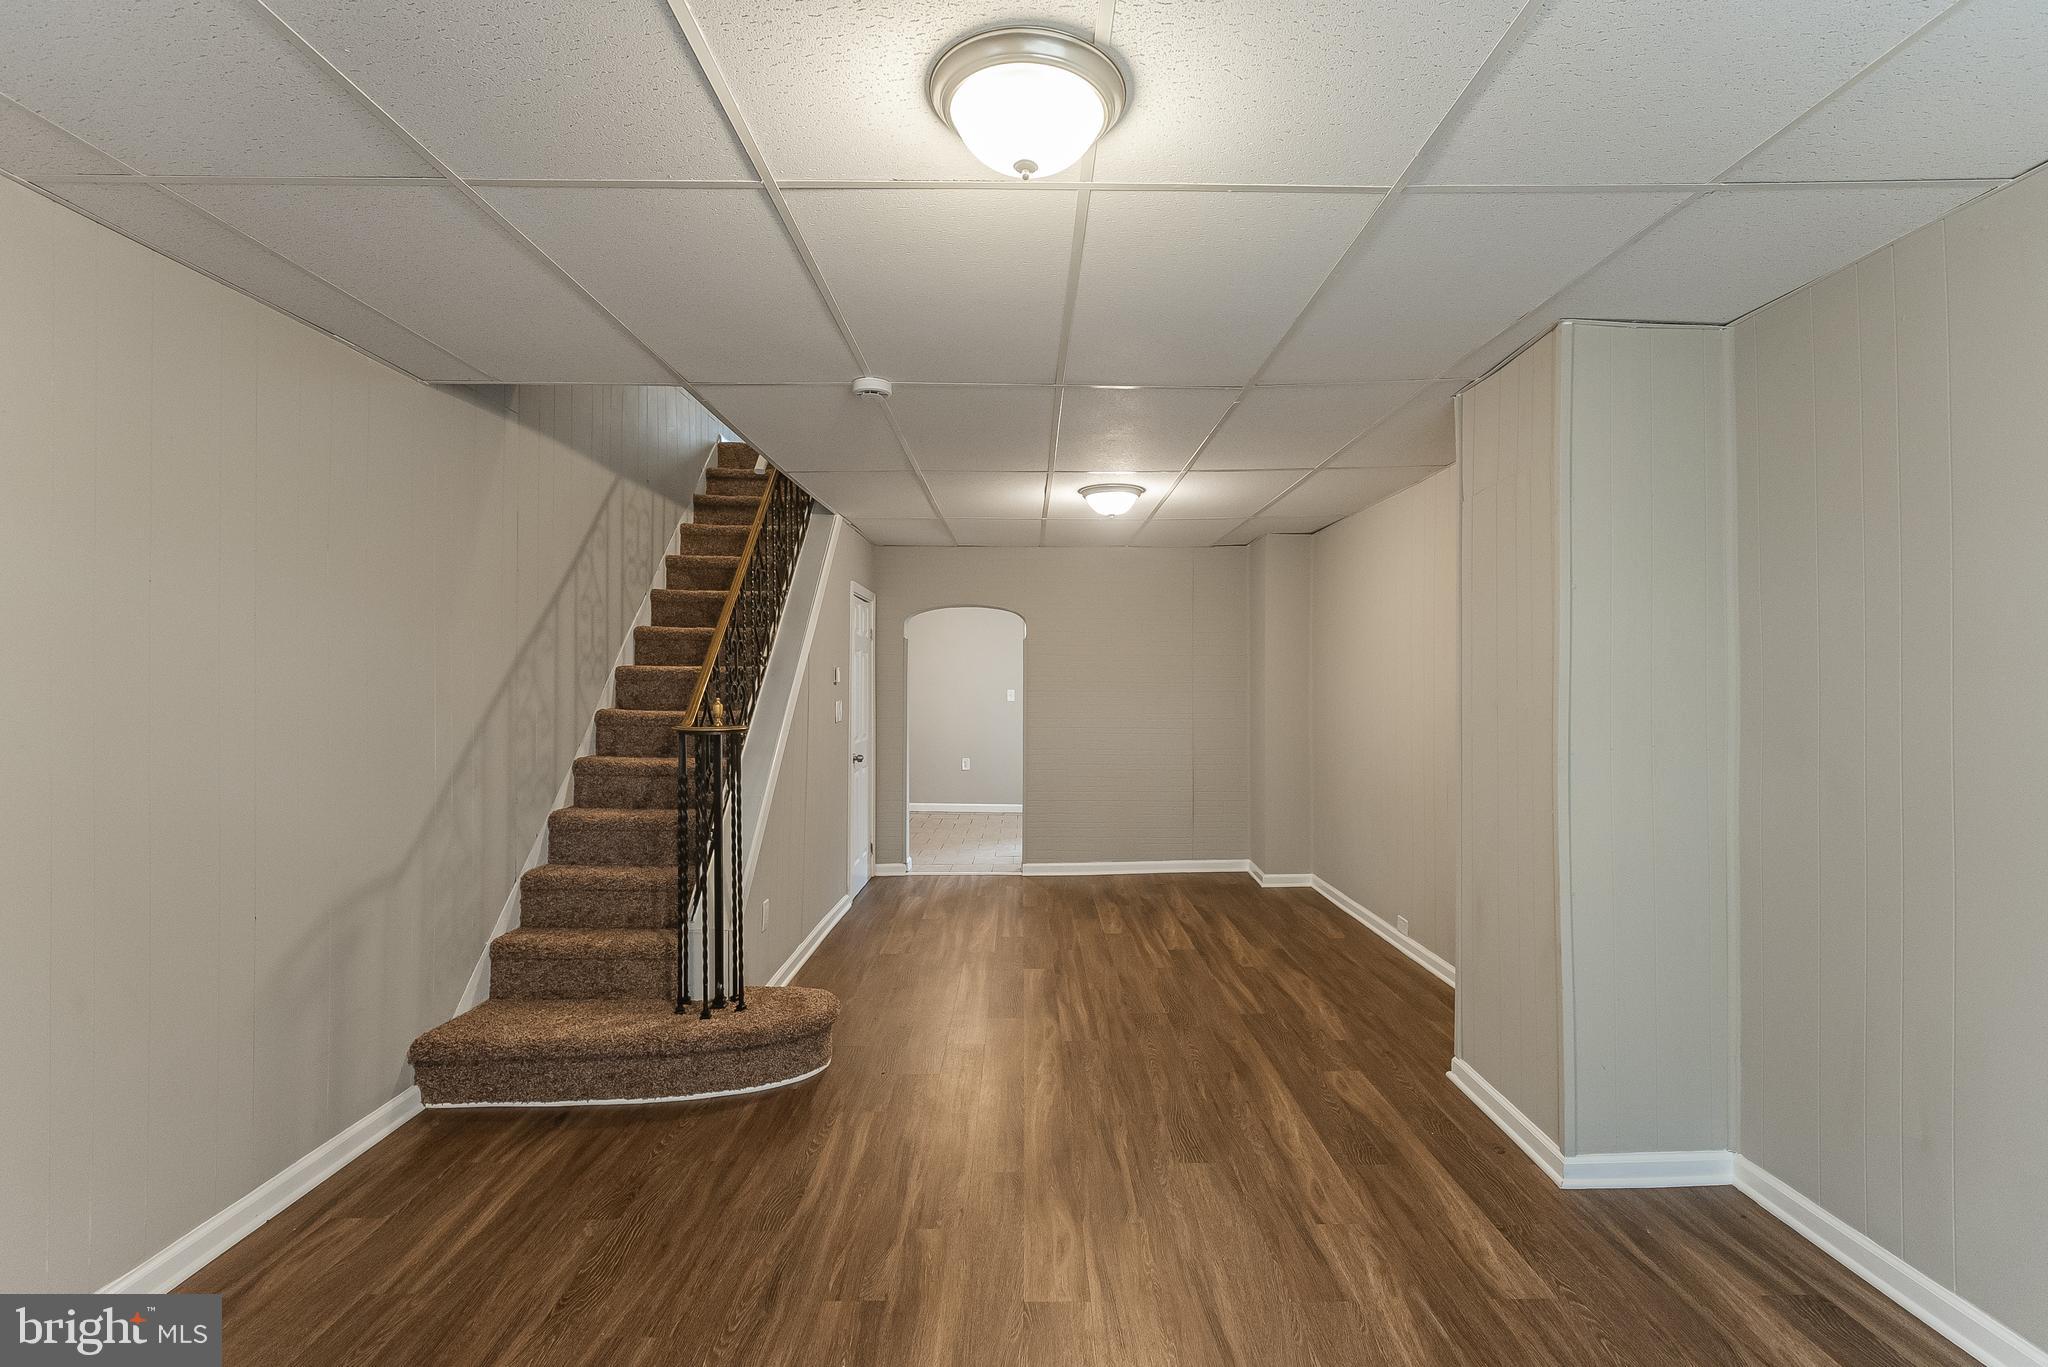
(802, 872)
(1282, 833)
(966, 699)
(1135, 693)
(1509, 990)
(1894, 792)
(1385, 709)
(1646, 762)
(297, 652)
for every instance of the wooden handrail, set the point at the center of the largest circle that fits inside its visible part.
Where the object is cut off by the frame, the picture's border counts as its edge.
(732, 598)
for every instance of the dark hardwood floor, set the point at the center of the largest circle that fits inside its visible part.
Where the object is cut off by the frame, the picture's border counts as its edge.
(1091, 1122)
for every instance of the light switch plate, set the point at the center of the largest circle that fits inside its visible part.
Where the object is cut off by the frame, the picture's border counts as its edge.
(965, 763)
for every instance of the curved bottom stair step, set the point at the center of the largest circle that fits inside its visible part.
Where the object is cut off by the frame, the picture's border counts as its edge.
(541, 1051)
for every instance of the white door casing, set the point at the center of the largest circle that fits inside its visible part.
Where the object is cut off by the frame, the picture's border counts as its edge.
(860, 841)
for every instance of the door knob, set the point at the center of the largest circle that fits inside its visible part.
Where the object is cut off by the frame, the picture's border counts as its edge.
(860, 759)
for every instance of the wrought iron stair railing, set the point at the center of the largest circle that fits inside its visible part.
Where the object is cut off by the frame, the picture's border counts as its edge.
(710, 843)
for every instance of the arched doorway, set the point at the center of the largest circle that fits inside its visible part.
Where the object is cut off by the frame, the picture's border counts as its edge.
(964, 740)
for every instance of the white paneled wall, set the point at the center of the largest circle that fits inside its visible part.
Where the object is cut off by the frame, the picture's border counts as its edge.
(297, 650)
(1646, 745)
(1384, 719)
(1509, 991)
(1892, 420)
(1593, 928)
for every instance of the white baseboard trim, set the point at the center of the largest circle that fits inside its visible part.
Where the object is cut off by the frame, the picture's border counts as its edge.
(1927, 1300)
(1140, 866)
(786, 974)
(1280, 880)
(1591, 1171)
(776, 1085)
(966, 806)
(1678, 1168)
(1371, 920)
(890, 870)
(163, 1272)
(1527, 1134)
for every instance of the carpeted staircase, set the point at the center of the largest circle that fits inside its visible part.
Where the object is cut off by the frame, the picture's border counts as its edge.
(583, 993)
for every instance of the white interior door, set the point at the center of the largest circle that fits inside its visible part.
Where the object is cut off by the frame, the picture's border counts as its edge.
(861, 732)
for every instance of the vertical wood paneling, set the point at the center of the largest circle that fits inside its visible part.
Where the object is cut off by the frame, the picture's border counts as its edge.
(1892, 964)
(1509, 996)
(1647, 740)
(262, 682)
(1384, 710)
(1997, 273)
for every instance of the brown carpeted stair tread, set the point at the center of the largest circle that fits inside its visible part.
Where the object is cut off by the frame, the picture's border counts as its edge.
(625, 781)
(710, 538)
(736, 455)
(725, 509)
(598, 895)
(687, 607)
(612, 835)
(653, 688)
(581, 1028)
(742, 483)
(583, 942)
(702, 571)
(670, 645)
(623, 732)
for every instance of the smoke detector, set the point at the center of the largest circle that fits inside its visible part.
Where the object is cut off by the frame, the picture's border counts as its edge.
(872, 387)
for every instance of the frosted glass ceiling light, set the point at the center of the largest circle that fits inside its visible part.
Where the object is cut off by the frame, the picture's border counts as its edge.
(1112, 500)
(1028, 102)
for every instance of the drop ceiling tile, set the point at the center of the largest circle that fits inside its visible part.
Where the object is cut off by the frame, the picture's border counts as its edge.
(1201, 531)
(525, 89)
(1103, 531)
(810, 427)
(32, 148)
(1136, 429)
(205, 87)
(1335, 493)
(904, 531)
(160, 221)
(836, 91)
(1299, 92)
(859, 495)
(976, 427)
(1195, 288)
(1618, 92)
(1225, 493)
(1064, 501)
(946, 284)
(1281, 526)
(1967, 99)
(1440, 274)
(989, 494)
(1422, 433)
(1734, 250)
(430, 260)
(705, 277)
(1300, 426)
(996, 531)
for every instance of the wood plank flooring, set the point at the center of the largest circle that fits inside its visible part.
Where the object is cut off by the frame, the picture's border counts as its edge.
(1128, 1121)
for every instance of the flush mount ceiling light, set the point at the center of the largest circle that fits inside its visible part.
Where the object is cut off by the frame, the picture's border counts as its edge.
(1028, 102)
(1112, 500)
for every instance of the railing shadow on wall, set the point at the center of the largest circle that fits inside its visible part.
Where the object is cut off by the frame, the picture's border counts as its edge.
(401, 944)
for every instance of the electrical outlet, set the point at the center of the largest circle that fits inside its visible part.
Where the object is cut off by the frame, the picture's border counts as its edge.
(966, 763)
(1401, 924)
(1013, 695)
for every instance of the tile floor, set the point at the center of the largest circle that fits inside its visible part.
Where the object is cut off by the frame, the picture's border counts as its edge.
(966, 842)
